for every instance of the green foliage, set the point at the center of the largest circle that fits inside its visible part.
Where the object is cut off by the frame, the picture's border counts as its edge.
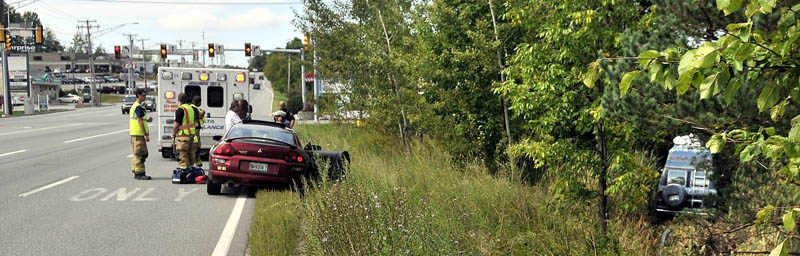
(760, 57)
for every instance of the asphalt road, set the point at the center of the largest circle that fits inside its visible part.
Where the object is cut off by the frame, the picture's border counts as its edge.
(66, 188)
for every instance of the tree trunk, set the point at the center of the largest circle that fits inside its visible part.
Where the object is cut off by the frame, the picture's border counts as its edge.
(502, 67)
(602, 179)
(395, 88)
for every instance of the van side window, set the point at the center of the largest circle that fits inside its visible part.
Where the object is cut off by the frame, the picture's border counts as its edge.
(191, 91)
(216, 97)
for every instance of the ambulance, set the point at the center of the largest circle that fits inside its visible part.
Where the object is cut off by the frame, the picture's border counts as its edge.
(217, 87)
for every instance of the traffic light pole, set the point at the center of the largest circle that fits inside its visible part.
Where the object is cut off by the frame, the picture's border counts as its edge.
(7, 107)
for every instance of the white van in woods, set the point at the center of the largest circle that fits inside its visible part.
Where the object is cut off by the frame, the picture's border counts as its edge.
(217, 87)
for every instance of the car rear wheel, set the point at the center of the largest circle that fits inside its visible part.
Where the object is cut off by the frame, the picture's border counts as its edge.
(213, 188)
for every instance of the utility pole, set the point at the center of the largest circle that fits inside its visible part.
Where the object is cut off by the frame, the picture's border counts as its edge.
(204, 54)
(303, 77)
(180, 52)
(8, 109)
(131, 80)
(288, 74)
(316, 85)
(144, 61)
(89, 27)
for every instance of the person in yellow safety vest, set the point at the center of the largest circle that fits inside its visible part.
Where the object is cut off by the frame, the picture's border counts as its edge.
(200, 120)
(184, 131)
(140, 135)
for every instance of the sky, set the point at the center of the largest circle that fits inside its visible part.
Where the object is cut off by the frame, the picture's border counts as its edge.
(232, 25)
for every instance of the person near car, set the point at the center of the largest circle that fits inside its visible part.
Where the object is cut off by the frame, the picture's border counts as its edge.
(184, 131)
(140, 135)
(196, 102)
(244, 110)
(277, 116)
(232, 117)
(288, 117)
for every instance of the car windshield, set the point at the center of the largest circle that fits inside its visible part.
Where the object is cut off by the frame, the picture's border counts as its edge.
(150, 98)
(129, 99)
(244, 130)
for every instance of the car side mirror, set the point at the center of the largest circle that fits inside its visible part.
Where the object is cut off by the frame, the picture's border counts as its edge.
(250, 109)
(217, 137)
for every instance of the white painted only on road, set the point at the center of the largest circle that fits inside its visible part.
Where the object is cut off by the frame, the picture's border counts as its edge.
(51, 185)
(126, 194)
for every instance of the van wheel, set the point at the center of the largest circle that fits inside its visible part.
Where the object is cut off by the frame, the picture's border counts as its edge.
(213, 188)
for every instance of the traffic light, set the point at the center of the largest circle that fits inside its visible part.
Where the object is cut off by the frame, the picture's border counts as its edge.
(211, 50)
(39, 35)
(306, 42)
(247, 50)
(117, 52)
(163, 51)
(8, 42)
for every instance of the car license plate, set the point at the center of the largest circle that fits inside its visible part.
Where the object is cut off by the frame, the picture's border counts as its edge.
(674, 197)
(258, 167)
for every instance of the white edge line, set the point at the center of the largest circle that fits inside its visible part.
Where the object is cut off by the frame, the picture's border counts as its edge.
(130, 156)
(95, 136)
(68, 179)
(225, 239)
(11, 153)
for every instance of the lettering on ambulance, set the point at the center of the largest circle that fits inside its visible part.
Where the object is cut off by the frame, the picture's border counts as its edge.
(212, 125)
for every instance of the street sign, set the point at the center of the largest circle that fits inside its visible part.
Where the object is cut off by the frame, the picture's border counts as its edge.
(23, 48)
(256, 50)
(309, 77)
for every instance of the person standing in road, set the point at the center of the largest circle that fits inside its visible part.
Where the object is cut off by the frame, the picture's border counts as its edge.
(184, 131)
(140, 135)
(288, 117)
(195, 150)
(232, 117)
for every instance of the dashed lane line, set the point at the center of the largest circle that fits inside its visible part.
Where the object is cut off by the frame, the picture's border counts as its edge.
(95, 136)
(11, 153)
(40, 129)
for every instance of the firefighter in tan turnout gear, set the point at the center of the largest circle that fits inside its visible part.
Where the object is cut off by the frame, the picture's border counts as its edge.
(140, 135)
(185, 131)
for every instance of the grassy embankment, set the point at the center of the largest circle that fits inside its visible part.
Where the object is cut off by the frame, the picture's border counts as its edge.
(276, 100)
(423, 204)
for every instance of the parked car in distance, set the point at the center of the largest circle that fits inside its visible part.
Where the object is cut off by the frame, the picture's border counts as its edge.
(87, 98)
(685, 184)
(127, 103)
(69, 98)
(150, 103)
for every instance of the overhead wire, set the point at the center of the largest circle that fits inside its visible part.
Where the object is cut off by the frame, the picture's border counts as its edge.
(191, 2)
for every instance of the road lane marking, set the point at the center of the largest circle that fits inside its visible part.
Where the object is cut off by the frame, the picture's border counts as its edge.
(11, 153)
(183, 193)
(225, 239)
(51, 185)
(95, 136)
(40, 129)
(129, 156)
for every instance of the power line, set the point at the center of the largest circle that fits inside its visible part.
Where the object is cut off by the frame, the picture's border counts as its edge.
(192, 3)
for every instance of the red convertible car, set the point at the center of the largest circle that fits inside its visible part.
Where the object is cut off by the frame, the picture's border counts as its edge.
(262, 153)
